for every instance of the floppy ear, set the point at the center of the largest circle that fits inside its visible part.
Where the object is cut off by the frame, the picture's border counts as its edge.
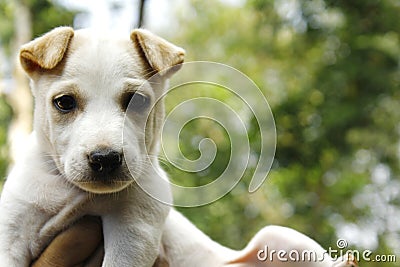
(159, 53)
(46, 51)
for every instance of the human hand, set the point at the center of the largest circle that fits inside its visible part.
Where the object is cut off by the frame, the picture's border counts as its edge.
(81, 245)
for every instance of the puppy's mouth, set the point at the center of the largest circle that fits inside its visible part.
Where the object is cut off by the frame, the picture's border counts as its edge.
(104, 182)
(103, 186)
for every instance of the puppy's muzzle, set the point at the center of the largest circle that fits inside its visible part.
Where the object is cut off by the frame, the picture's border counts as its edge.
(105, 161)
(105, 172)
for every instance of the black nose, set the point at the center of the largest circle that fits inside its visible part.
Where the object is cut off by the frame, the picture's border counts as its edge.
(104, 160)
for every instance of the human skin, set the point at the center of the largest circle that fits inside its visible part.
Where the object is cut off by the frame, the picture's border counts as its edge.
(81, 245)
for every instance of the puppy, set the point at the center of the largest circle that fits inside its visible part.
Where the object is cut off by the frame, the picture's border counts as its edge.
(74, 165)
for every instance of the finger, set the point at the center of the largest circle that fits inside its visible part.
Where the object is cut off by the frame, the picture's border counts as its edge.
(74, 245)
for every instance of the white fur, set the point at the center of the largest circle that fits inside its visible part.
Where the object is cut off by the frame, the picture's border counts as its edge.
(50, 187)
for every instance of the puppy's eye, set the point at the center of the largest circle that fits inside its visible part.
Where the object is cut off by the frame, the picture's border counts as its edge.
(65, 103)
(136, 102)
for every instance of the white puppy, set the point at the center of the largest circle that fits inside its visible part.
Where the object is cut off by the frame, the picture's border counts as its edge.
(74, 165)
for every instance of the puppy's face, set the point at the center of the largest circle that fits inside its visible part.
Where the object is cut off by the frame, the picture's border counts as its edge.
(81, 103)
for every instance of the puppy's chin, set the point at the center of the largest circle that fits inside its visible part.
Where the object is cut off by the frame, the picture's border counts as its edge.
(102, 187)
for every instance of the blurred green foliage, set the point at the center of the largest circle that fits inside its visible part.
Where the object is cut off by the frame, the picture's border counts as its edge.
(330, 70)
(5, 116)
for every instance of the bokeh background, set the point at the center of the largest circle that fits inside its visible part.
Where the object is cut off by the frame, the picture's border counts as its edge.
(331, 73)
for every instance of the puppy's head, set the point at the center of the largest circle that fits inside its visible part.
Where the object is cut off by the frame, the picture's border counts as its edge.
(83, 84)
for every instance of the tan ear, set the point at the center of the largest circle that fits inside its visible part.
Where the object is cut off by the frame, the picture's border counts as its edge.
(46, 51)
(159, 53)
